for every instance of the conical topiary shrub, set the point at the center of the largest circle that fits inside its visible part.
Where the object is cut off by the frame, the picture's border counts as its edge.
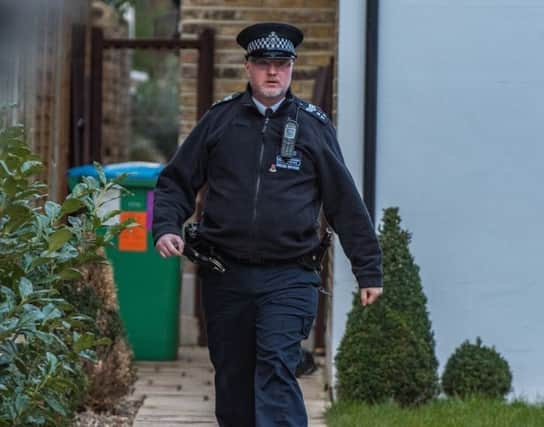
(387, 351)
(475, 369)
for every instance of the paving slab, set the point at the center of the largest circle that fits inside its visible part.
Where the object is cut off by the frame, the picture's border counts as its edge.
(181, 393)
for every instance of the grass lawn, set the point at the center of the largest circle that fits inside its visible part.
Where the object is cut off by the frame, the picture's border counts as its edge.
(440, 413)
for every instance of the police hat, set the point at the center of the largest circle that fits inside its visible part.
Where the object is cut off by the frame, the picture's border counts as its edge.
(270, 40)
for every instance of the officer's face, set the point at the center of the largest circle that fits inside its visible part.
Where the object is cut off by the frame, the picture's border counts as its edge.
(269, 78)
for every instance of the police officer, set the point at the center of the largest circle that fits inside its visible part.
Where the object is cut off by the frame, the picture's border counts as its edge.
(271, 161)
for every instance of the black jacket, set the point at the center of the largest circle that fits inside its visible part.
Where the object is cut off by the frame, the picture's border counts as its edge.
(259, 205)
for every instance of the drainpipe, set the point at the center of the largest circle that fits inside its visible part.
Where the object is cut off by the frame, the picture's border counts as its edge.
(371, 102)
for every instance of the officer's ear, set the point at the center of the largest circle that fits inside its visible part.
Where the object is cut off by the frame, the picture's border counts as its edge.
(246, 66)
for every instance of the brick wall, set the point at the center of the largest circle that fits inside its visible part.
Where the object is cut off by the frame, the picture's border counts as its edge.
(316, 18)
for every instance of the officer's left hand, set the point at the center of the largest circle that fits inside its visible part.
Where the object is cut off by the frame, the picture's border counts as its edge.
(369, 295)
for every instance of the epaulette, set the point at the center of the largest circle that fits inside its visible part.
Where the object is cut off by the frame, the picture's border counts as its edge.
(313, 110)
(228, 98)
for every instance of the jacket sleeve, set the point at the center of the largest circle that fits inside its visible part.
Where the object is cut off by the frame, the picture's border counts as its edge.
(347, 214)
(179, 182)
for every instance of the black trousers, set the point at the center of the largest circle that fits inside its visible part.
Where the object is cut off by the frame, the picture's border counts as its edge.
(256, 318)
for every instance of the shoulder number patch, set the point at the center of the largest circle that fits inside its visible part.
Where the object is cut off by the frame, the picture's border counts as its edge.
(227, 98)
(313, 110)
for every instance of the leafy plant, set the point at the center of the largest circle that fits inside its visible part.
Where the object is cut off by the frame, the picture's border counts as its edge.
(475, 369)
(43, 338)
(387, 352)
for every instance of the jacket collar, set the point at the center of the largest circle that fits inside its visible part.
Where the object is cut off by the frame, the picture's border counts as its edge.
(248, 101)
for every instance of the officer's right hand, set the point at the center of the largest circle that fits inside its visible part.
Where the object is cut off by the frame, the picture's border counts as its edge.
(170, 245)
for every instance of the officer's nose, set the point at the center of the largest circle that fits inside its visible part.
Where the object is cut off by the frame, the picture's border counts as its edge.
(272, 68)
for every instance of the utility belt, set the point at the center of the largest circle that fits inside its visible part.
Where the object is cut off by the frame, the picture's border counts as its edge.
(202, 253)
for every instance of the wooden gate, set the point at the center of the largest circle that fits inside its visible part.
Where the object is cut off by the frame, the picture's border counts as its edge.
(86, 120)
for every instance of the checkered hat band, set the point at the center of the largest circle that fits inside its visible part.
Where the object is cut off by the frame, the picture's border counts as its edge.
(271, 42)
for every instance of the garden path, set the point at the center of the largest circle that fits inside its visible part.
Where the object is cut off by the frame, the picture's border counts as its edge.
(181, 392)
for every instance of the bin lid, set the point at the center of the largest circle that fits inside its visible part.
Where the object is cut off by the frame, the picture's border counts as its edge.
(140, 174)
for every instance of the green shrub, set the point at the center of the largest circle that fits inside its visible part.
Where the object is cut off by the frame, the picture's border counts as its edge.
(43, 338)
(387, 352)
(474, 369)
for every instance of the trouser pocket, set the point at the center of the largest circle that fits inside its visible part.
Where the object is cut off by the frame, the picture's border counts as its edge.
(307, 323)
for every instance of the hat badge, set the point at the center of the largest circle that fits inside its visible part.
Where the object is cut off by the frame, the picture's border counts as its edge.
(272, 40)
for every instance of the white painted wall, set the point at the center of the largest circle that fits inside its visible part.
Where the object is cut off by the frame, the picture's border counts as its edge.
(460, 150)
(350, 130)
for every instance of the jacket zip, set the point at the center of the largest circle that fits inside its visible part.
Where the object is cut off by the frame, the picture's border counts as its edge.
(258, 183)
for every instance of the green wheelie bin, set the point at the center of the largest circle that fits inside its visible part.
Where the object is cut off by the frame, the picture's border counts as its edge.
(148, 286)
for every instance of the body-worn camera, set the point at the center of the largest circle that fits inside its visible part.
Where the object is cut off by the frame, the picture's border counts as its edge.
(289, 138)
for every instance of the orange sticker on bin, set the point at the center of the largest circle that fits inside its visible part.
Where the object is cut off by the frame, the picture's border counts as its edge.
(135, 238)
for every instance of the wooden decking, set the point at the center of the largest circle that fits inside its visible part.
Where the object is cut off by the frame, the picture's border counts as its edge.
(181, 393)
